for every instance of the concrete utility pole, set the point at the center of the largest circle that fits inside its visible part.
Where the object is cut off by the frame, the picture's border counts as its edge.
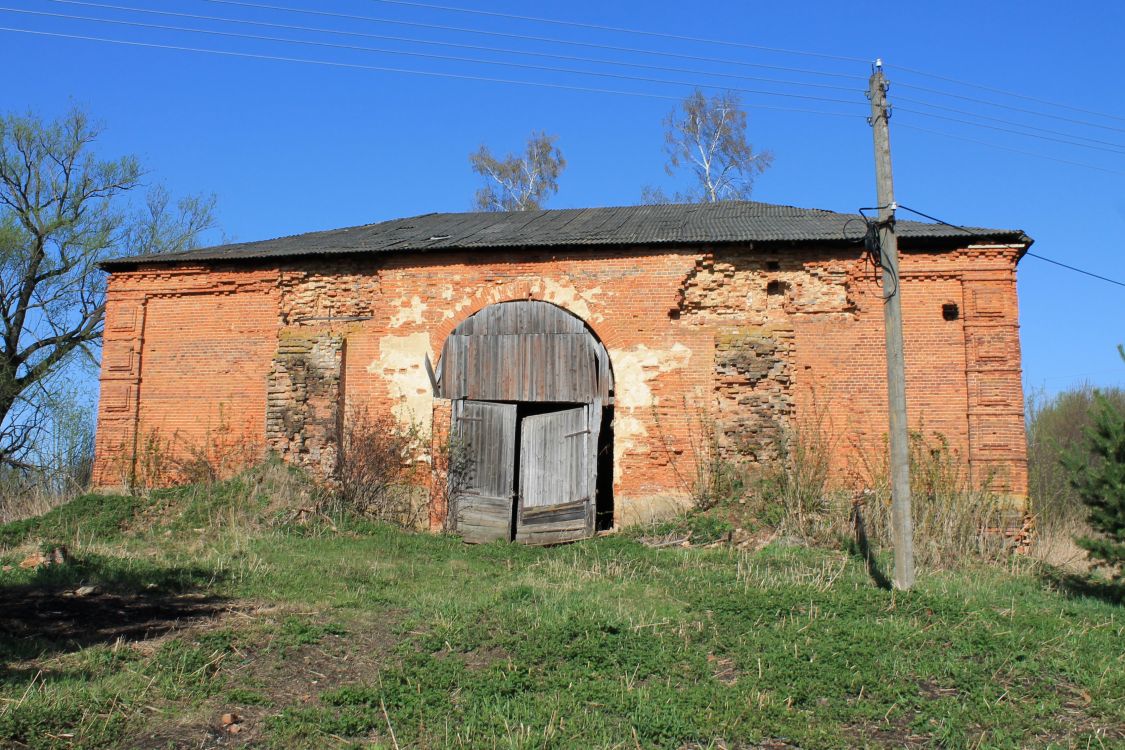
(892, 310)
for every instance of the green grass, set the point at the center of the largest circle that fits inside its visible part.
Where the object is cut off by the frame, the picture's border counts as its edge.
(92, 516)
(345, 637)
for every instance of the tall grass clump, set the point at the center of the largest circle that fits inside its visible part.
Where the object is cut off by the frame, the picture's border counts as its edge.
(799, 484)
(718, 478)
(956, 516)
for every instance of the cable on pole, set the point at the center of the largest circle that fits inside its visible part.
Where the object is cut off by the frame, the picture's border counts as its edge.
(873, 247)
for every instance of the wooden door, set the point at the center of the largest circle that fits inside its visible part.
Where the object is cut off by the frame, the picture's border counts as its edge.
(558, 465)
(485, 501)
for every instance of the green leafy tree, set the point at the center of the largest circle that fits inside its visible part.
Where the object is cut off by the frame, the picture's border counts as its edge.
(62, 211)
(1055, 424)
(1098, 475)
(707, 138)
(519, 183)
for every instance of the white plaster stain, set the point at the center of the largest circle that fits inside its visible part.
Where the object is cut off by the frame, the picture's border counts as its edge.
(410, 311)
(633, 368)
(564, 294)
(401, 364)
(632, 371)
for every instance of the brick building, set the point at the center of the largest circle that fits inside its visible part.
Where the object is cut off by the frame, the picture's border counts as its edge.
(610, 347)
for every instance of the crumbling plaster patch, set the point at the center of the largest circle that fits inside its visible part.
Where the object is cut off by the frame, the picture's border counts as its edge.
(401, 365)
(566, 295)
(411, 310)
(633, 369)
(561, 292)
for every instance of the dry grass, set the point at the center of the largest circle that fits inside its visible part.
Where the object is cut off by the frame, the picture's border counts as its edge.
(161, 460)
(952, 514)
(26, 494)
(1054, 545)
(20, 505)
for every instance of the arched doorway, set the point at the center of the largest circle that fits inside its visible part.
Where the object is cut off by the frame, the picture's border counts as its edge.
(532, 393)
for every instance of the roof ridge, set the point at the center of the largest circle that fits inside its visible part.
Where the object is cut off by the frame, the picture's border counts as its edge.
(664, 224)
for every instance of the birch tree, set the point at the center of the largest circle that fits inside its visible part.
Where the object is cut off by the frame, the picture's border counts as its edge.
(519, 182)
(707, 138)
(62, 211)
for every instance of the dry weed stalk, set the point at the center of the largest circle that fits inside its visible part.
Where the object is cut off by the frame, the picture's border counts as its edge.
(158, 461)
(954, 516)
(799, 483)
(379, 472)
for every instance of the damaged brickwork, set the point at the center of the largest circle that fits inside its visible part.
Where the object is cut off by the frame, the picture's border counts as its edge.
(752, 300)
(303, 419)
(753, 381)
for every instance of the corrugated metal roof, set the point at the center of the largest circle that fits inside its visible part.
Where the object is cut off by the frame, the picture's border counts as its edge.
(666, 224)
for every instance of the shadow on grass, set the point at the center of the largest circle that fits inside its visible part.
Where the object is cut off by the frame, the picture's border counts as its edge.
(129, 601)
(861, 548)
(1075, 584)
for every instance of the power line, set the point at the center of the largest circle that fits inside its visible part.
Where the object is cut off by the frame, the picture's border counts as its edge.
(1077, 270)
(994, 90)
(691, 57)
(1028, 252)
(383, 69)
(525, 37)
(425, 55)
(501, 80)
(430, 42)
(1006, 122)
(616, 29)
(1008, 130)
(1012, 108)
(1009, 148)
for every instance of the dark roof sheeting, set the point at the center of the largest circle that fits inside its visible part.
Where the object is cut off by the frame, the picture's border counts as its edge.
(665, 224)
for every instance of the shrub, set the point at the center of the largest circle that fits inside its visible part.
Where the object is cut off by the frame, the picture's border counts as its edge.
(377, 470)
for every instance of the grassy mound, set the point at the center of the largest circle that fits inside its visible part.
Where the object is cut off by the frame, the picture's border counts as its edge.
(217, 618)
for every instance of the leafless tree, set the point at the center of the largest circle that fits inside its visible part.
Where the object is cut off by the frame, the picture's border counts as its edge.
(707, 137)
(62, 211)
(519, 183)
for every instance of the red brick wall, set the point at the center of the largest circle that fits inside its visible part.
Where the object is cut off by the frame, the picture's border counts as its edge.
(695, 338)
(186, 355)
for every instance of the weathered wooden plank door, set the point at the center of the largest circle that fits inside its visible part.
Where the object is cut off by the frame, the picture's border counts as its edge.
(557, 476)
(484, 502)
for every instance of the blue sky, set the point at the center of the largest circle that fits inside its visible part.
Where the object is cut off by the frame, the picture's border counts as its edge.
(290, 147)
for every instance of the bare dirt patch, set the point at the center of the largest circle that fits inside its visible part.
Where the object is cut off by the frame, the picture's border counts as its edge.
(265, 678)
